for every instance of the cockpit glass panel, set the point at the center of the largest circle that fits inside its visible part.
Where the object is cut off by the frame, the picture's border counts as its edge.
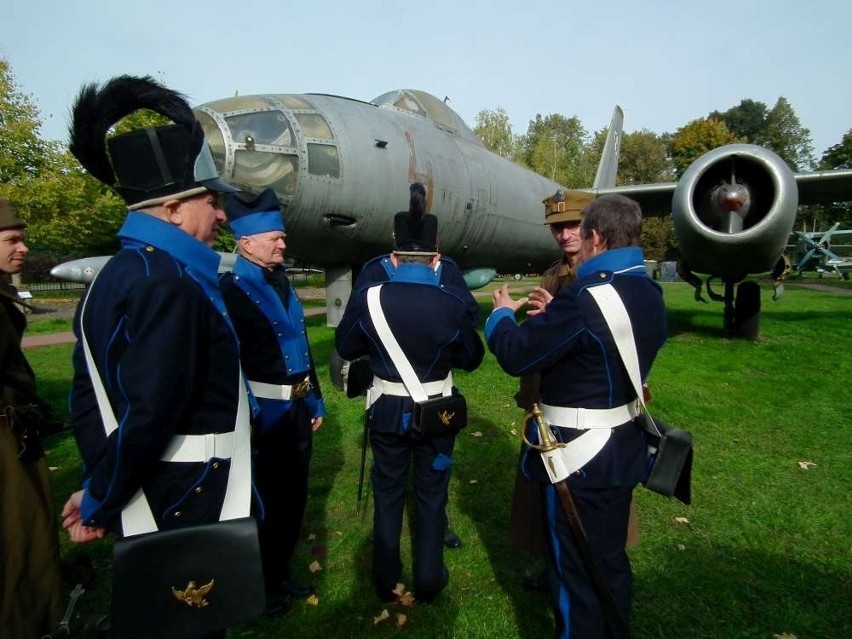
(263, 127)
(436, 109)
(323, 160)
(314, 126)
(257, 170)
(293, 102)
(240, 103)
(215, 139)
(407, 103)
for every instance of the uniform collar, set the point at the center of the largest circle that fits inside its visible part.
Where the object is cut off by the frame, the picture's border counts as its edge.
(149, 230)
(619, 259)
(416, 274)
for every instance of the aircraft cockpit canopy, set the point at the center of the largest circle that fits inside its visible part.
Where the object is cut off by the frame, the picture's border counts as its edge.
(427, 106)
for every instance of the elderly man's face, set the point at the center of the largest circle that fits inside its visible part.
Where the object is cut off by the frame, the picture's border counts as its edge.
(201, 216)
(13, 251)
(265, 249)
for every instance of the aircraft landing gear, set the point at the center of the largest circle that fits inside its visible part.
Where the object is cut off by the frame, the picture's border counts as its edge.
(742, 316)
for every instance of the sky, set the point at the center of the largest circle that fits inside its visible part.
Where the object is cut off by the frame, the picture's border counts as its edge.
(666, 62)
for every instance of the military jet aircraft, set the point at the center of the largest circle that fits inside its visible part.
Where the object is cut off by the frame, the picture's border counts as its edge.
(342, 168)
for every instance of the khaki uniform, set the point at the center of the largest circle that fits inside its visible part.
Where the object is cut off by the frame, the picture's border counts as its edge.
(30, 582)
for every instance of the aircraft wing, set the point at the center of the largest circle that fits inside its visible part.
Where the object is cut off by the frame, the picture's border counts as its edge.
(824, 187)
(655, 199)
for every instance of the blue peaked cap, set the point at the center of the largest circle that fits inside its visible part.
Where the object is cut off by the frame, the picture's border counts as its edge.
(260, 214)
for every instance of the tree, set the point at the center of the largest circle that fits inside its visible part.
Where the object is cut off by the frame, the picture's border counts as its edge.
(785, 135)
(838, 156)
(494, 130)
(692, 140)
(22, 151)
(65, 208)
(747, 120)
(554, 147)
(644, 159)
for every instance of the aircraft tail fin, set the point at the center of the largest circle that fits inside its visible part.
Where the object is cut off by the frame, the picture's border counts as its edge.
(608, 166)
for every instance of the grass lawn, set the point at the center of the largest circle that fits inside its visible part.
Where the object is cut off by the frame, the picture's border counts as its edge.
(765, 549)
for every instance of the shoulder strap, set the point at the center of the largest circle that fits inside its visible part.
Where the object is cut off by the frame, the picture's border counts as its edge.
(136, 516)
(403, 366)
(618, 321)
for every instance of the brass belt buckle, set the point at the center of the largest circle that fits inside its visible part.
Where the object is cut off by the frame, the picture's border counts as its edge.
(300, 390)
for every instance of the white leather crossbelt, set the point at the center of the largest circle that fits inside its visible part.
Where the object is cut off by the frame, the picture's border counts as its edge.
(199, 448)
(397, 389)
(280, 391)
(586, 418)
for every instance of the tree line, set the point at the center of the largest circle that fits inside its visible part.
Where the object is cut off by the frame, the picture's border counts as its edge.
(67, 209)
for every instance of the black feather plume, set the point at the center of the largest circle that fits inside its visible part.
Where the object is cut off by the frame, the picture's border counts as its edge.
(96, 110)
(417, 205)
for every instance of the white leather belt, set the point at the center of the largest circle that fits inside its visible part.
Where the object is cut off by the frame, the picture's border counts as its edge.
(397, 389)
(587, 418)
(199, 448)
(280, 391)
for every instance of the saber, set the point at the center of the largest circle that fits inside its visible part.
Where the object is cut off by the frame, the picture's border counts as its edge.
(363, 463)
(549, 449)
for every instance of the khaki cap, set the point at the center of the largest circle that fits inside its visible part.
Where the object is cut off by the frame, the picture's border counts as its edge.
(9, 217)
(566, 206)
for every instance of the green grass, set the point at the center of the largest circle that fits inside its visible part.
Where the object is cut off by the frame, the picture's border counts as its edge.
(767, 548)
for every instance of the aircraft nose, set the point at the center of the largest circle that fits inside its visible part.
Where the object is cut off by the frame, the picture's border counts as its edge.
(254, 146)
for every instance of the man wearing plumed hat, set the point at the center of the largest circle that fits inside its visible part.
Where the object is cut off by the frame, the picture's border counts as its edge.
(276, 359)
(30, 583)
(156, 326)
(435, 333)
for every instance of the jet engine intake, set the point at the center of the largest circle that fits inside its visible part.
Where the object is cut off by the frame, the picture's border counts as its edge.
(733, 211)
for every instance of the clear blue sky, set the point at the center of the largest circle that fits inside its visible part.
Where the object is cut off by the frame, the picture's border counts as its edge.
(666, 62)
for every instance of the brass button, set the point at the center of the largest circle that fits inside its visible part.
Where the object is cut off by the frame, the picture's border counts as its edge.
(149, 249)
(215, 465)
(199, 490)
(178, 513)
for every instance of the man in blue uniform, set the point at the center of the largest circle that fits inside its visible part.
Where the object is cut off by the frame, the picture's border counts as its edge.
(276, 358)
(448, 276)
(156, 326)
(435, 333)
(588, 398)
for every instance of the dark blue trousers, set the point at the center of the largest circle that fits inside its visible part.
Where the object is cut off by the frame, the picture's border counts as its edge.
(392, 456)
(577, 607)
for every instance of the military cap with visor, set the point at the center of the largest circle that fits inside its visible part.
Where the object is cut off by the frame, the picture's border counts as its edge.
(146, 166)
(9, 217)
(566, 206)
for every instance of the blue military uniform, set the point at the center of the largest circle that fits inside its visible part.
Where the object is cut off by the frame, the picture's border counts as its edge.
(434, 330)
(276, 359)
(167, 354)
(433, 318)
(573, 349)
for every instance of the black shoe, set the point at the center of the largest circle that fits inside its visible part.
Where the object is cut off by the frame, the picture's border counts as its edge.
(536, 583)
(274, 608)
(291, 590)
(451, 539)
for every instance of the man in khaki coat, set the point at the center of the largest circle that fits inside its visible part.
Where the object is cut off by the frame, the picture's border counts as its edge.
(30, 582)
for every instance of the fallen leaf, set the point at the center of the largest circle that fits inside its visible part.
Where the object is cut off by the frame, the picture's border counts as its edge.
(806, 465)
(400, 620)
(315, 566)
(406, 598)
(312, 537)
(53, 467)
(474, 481)
(784, 635)
(384, 614)
(476, 433)
(399, 590)
(514, 432)
(313, 600)
(681, 520)
(681, 547)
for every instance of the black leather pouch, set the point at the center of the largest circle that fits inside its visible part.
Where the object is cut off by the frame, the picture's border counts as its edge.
(671, 470)
(187, 582)
(27, 423)
(441, 416)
